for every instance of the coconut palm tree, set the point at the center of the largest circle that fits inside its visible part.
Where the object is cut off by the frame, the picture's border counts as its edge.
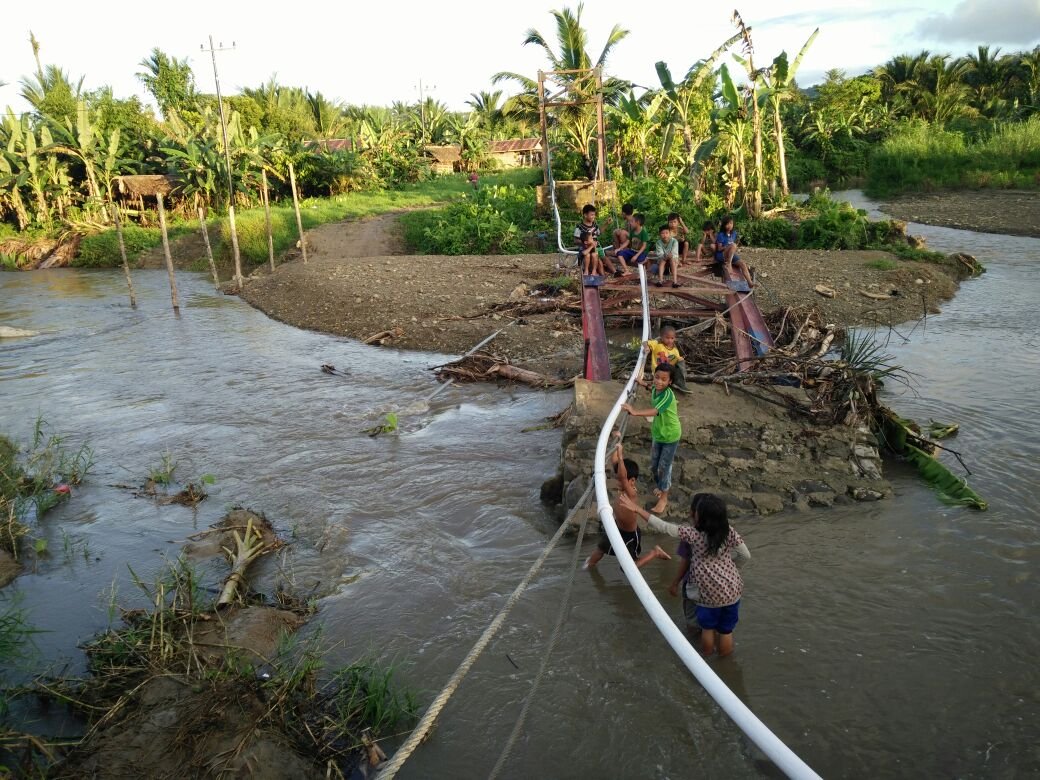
(488, 108)
(170, 81)
(577, 123)
(329, 121)
(984, 72)
(779, 80)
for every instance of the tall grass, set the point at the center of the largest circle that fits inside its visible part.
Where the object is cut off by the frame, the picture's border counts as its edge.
(101, 250)
(922, 157)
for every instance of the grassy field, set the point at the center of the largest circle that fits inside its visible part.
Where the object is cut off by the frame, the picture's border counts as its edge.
(101, 250)
(927, 158)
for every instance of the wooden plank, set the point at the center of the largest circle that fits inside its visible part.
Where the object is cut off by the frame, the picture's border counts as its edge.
(689, 314)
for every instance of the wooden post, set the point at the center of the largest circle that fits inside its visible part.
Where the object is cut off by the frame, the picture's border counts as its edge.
(234, 244)
(545, 128)
(209, 249)
(122, 253)
(166, 252)
(601, 134)
(267, 218)
(296, 205)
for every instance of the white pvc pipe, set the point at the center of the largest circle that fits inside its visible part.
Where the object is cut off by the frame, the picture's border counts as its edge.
(781, 755)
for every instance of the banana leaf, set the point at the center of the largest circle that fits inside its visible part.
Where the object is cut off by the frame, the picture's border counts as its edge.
(951, 488)
(901, 438)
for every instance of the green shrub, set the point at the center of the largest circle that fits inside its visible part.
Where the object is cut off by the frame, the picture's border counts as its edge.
(657, 198)
(833, 225)
(101, 250)
(775, 233)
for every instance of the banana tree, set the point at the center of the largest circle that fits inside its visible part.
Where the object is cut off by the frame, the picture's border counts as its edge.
(779, 80)
(754, 76)
(685, 101)
(638, 120)
(22, 171)
(733, 132)
(80, 141)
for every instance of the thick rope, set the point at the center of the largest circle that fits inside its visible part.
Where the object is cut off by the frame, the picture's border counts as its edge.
(554, 639)
(391, 767)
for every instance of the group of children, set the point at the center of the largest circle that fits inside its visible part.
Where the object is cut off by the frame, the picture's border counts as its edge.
(631, 246)
(710, 551)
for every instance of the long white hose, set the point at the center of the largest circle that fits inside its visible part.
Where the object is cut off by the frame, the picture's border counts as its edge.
(781, 755)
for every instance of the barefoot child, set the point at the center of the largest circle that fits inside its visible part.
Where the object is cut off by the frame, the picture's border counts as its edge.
(627, 472)
(586, 235)
(716, 553)
(665, 431)
(663, 350)
(681, 233)
(726, 241)
(681, 585)
(706, 248)
(667, 256)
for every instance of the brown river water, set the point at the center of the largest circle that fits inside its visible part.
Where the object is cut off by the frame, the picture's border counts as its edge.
(896, 639)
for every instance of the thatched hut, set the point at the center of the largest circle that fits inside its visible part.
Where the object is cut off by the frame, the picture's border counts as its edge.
(145, 186)
(517, 152)
(446, 159)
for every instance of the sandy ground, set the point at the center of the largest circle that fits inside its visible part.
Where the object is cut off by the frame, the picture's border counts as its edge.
(1015, 212)
(355, 285)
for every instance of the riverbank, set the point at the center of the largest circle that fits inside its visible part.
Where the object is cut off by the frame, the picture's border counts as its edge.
(1014, 212)
(448, 304)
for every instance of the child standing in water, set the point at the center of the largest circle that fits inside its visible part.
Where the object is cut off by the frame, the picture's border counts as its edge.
(665, 431)
(717, 552)
(627, 472)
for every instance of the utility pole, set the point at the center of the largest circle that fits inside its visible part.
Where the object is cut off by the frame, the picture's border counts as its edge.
(422, 109)
(227, 159)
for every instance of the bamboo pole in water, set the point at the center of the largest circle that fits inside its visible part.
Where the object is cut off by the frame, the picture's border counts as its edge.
(296, 205)
(267, 218)
(209, 249)
(234, 243)
(166, 253)
(122, 253)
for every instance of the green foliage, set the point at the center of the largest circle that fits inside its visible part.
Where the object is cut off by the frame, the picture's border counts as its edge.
(657, 198)
(162, 474)
(775, 233)
(833, 225)
(101, 250)
(921, 156)
(494, 220)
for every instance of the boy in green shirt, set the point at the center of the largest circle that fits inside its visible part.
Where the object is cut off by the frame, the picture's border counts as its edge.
(666, 431)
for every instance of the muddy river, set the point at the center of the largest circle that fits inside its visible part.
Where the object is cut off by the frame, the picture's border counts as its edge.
(897, 639)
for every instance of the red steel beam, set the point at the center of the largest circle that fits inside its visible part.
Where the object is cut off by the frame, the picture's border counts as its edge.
(597, 358)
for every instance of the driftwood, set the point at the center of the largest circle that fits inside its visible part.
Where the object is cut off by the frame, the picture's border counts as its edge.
(483, 367)
(877, 296)
(384, 336)
(825, 291)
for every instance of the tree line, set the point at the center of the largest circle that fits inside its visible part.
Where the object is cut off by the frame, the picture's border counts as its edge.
(721, 139)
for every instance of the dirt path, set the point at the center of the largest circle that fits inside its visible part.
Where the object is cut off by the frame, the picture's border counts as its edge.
(1014, 212)
(371, 237)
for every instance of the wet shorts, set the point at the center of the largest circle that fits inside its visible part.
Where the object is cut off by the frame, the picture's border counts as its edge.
(721, 619)
(633, 541)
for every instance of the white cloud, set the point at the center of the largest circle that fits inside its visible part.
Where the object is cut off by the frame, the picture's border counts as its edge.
(986, 22)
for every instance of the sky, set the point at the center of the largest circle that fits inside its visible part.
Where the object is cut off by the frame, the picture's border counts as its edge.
(379, 52)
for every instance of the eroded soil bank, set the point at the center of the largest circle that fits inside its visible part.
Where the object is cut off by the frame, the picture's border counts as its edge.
(1014, 212)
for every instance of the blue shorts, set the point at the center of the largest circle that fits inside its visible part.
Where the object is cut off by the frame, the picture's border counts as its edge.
(628, 254)
(719, 257)
(721, 619)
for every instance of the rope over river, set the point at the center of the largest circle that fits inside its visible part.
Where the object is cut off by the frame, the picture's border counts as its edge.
(899, 635)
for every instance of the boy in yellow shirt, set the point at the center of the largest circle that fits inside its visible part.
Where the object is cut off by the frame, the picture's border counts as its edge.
(663, 350)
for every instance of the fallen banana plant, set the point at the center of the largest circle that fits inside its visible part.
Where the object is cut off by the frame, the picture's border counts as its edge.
(249, 546)
(904, 438)
(482, 367)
